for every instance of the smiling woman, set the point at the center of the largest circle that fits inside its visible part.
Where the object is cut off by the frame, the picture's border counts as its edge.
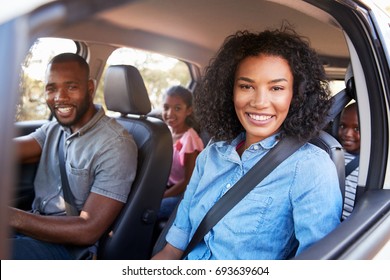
(255, 92)
(262, 82)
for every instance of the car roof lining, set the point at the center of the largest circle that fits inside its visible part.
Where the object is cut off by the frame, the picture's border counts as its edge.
(194, 30)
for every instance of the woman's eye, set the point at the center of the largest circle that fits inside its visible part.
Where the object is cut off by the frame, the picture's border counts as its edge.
(277, 88)
(245, 87)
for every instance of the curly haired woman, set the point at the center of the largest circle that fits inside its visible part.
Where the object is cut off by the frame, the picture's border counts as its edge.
(259, 88)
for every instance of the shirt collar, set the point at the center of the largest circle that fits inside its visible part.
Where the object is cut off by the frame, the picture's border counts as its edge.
(267, 143)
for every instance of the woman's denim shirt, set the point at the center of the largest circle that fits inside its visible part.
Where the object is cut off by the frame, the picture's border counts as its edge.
(293, 207)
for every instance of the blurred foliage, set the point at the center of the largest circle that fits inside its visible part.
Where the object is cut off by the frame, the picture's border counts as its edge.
(157, 80)
(32, 104)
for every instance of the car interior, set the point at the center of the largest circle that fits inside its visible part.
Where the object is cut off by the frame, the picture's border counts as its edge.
(192, 32)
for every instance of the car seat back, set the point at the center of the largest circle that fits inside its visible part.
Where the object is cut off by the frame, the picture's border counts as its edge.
(130, 237)
(335, 151)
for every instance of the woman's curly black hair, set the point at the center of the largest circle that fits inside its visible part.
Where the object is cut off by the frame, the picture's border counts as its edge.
(213, 98)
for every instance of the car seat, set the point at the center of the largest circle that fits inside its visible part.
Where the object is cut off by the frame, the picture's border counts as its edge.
(130, 237)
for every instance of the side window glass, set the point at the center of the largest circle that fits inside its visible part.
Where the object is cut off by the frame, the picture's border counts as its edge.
(32, 104)
(336, 86)
(158, 72)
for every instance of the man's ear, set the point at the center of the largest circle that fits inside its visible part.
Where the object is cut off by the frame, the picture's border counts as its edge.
(91, 87)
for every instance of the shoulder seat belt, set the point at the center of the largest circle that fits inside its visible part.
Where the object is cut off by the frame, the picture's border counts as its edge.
(70, 204)
(351, 166)
(257, 173)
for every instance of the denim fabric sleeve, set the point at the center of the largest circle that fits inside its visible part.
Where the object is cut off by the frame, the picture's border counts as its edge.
(182, 230)
(316, 199)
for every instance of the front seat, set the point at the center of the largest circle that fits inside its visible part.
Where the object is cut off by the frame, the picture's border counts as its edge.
(335, 151)
(130, 237)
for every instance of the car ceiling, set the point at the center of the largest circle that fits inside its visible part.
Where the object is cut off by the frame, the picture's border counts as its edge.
(194, 30)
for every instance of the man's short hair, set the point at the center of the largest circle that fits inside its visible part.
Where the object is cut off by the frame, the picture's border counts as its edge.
(71, 57)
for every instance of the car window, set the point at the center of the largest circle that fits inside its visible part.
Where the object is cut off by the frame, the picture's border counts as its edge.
(336, 86)
(32, 104)
(159, 72)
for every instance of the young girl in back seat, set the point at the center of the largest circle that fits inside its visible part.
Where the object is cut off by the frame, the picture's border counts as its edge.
(178, 115)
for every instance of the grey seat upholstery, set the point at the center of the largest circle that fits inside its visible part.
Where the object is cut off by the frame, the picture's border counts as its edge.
(335, 150)
(131, 235)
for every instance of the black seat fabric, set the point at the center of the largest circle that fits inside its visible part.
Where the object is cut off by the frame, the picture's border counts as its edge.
(131, 235)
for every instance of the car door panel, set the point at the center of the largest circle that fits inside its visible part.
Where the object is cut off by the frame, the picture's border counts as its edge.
(371, 210)
(26, 127)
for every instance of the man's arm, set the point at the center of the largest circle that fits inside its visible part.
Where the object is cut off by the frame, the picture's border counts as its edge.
(97, 215)
(28, 149)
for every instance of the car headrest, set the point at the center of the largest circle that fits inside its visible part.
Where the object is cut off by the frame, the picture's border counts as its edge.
(350, 82)
(125, 91)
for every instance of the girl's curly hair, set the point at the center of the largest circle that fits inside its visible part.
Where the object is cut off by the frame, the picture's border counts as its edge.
(213, 98)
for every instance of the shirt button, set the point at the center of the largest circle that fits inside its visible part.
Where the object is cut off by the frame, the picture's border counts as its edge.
(256, 147)
(67, 142)
(228, 186)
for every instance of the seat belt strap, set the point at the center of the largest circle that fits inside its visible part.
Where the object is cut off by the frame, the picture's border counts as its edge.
(351, 166)
(286, 147)
(340, 100)
(70, 205)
